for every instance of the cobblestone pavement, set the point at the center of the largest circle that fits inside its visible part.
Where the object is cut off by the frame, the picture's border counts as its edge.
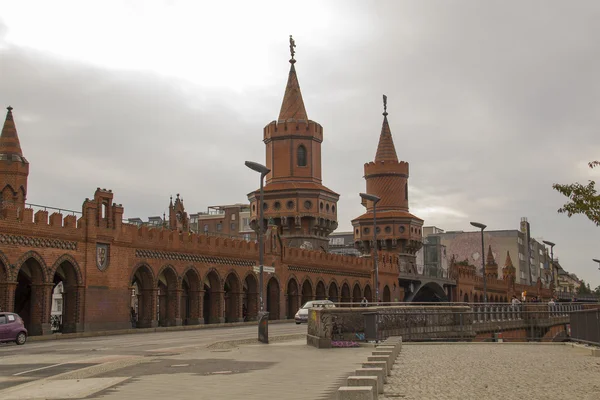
(494, 371)
(177, 365)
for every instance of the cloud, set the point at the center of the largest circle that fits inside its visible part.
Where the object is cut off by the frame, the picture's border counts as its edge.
(489, 103)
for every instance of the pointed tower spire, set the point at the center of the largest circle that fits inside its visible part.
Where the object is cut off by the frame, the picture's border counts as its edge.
(386, 151)
(9, 140)
(292, 106)
(490, 257)
(508, 263)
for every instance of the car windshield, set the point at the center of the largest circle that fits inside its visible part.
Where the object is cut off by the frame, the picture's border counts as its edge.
(320, 304)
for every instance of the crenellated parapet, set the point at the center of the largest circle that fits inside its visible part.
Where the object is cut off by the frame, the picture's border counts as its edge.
(301, 129)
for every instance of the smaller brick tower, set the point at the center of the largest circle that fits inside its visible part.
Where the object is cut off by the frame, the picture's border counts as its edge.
(295, 200)
(14, 168)
(178, 218)
(397, 230)
(509, 271)
(491, 266)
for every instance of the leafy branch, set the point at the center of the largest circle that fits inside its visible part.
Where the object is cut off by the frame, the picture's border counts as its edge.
(584, 199)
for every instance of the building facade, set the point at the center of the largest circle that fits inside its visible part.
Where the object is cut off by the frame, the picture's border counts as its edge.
(531, 257)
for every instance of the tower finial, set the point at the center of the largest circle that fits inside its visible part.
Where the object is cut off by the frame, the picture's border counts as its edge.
(385, 113)
(292, 51)
(9, 108)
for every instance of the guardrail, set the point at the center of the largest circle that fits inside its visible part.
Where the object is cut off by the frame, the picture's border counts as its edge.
(585, 326)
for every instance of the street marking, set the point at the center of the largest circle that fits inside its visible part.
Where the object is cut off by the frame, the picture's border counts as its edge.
(180, 365)
(39, 369)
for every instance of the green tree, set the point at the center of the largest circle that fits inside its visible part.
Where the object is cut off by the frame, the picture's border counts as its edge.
(584, 288)
(597, 291)
(584, 199)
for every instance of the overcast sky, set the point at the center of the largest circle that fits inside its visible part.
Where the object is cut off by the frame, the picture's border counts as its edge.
(490, 102)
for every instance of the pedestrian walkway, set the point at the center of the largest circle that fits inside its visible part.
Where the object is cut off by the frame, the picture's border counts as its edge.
(280, 370)
(494, 371)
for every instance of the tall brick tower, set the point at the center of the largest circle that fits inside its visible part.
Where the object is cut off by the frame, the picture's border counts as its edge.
(14, 168)
(304, 210)
(397, 230)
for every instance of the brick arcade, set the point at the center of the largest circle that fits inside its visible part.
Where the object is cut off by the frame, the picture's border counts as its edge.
(171, 276)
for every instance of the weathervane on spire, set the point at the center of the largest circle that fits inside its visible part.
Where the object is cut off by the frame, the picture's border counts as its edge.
(292, 45)
(385, 106)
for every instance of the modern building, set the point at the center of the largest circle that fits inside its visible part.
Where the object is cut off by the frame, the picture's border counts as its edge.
(343, 243)
(531, 261)
(231, 220)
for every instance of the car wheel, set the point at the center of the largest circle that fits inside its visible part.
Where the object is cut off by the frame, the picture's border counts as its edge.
(297, 323)
(21, 339)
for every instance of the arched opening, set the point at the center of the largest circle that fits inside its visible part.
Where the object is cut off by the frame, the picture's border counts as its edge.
(190, 299)
(466, 298)
(430, 292)
(168, 303)
(233, 295)
(368, 293)
(250, 307)
(3, 286)
(356, 294)
(301, 156)
(333, 292)
(307, 293)
(293, 298)
(320, 295)
(387, 295)
(212, 299)
(29, 297)
(65, 309)
(143, 310)
(346, 293)
(273, 298)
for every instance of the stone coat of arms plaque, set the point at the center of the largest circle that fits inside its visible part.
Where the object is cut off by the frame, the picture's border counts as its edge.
(102, 256)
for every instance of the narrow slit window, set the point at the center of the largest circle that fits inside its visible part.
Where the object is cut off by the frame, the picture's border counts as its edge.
(302, 156)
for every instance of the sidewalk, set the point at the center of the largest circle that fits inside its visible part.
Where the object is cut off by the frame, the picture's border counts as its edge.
(280, 370)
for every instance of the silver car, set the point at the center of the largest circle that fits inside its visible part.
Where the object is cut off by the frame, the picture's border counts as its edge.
(302, 314)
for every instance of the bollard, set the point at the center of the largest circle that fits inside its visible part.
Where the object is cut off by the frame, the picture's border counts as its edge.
(355, 393)
(387, 359)
(384, 347)
(378, 364)
(366, 381)
(378, 372)
(389, 354)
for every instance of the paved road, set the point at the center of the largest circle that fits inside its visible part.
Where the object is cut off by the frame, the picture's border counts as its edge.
(180, 365)
(494, 371)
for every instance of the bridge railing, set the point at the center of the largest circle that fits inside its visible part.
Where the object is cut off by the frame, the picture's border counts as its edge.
(585, 326)
(451, 321)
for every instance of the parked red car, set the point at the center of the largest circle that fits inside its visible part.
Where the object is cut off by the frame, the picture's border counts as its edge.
(12, 328)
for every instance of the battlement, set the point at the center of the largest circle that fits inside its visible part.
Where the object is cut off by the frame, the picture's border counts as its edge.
(301, 127)
(386, 167)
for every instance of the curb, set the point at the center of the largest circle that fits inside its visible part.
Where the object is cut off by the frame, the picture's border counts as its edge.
(238, 342)
(80, 335)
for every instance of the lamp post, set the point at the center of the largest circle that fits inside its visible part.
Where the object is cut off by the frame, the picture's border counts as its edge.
(482, 227)
(263, 171)
(598, 261)
(546, 242)
(375, 200)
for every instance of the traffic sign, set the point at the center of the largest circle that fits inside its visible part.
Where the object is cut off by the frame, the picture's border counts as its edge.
(268, 270)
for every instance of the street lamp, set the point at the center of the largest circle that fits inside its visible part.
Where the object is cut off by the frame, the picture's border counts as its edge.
(598, 261)
(548, 243)
(482, 227)
(263, 171)
(375, 200)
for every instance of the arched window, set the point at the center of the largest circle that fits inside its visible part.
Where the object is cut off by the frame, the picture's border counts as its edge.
(406, 191)
(302, 156)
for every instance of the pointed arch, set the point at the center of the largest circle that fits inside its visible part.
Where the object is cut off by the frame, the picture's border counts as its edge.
(320, 290)
(345, 296)
(233, 290)
(212, 276)
(333, 291)
(273, 288)
(307, 290)
(68, 258)
(190, 299)
(148, 272)
(292, 297)
(190, 272)
(250, 288)
(37, 257)
(357, 293)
